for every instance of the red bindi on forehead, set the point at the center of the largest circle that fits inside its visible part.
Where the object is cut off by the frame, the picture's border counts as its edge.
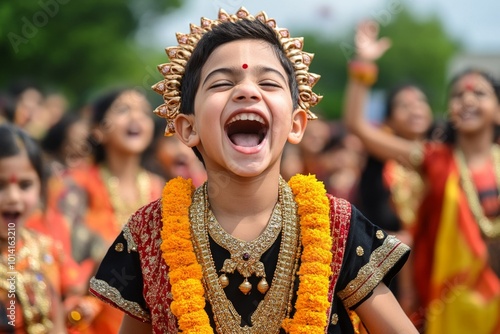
(244, 66)
(469, 84)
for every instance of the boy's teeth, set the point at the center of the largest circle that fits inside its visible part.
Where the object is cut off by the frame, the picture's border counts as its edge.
(247, 117)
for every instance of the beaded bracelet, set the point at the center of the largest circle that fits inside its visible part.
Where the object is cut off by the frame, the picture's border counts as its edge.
(363, 72)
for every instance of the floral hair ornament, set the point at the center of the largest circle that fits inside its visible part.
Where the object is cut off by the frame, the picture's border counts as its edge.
(179, 55)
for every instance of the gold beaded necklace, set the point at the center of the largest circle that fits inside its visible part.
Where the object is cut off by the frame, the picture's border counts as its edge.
(490, 228)
(121, 209)
(245, 256)
(406, 191)
(32, 291)
(277, 301)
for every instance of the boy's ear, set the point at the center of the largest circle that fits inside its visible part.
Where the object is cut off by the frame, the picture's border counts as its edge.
(185, 129)
(299, 122)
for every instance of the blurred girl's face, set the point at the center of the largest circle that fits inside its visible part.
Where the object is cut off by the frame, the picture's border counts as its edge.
(29, 106)
(128, 125)
(75, 144)
(176, 158)
(473, 105)
(20, 191)
(411, 115)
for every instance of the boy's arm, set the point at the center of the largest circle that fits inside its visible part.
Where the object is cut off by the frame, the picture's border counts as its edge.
(382, 314)
(134, 326)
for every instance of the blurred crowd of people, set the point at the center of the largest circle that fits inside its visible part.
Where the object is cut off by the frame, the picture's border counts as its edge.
(69, 180)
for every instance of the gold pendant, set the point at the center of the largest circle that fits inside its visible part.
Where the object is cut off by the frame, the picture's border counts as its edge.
(223, 280)
(245, 255)
(245, 287)
(275, 306)
(263, 286)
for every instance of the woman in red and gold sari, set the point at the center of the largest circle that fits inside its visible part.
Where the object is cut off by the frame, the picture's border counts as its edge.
(457, 232)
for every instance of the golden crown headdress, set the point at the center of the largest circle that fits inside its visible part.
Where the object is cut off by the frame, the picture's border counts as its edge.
(179, 55)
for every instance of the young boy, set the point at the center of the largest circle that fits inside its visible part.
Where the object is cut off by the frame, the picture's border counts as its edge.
(246, 252)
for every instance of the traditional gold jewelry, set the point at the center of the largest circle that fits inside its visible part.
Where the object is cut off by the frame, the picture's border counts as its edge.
(416, 155)
(276, 303)
(32, 291)
(245, 256)
(121, 209)
(179, 55)
(186, 274)
(406, 189)
(490, 228)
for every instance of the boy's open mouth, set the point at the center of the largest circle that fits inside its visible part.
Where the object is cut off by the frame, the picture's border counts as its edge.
(246, 130)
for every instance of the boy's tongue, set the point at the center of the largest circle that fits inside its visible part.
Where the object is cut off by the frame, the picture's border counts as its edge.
(245, 139)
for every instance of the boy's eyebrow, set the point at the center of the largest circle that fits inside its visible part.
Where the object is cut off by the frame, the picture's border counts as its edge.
(233, 70)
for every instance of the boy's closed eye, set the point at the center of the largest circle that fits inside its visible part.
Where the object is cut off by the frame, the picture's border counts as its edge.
(221, 84)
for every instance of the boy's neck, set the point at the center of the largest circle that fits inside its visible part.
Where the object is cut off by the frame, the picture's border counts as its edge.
(243, 206)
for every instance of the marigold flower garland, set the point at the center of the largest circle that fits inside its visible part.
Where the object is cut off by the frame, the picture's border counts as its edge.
(315, 270)
(185, 273)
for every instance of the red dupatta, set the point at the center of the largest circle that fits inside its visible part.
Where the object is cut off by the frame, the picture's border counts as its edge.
(456, 285)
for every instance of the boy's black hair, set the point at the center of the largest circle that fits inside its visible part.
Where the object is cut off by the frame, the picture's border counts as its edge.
(221, 34)
(224, 33)
(14, 141)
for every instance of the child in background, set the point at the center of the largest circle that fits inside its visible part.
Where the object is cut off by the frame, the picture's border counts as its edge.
(247, 252)
(65, 144)
(389, 192)
(457, 229)
(34, 270)
(96, 199)
(169, 157)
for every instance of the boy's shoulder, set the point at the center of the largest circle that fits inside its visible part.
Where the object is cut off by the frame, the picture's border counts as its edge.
(339, 205)
(146, 221)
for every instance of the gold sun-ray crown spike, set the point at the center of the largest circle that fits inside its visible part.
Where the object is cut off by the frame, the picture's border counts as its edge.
(173, 72)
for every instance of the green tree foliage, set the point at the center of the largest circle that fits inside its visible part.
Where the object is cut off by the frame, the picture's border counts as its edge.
(331, 63)
(76, 46)
(420, 52)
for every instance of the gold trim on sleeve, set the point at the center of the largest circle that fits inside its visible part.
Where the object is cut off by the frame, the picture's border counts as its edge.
(372, 273)
(111, 295)
(131, 245)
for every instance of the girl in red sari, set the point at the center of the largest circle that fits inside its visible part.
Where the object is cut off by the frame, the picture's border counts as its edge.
(457, 232)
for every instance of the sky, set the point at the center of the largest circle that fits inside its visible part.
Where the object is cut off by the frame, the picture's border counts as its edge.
(475, 23)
